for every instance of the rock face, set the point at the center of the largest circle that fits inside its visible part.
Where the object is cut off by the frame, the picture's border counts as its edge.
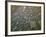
(25, 18)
